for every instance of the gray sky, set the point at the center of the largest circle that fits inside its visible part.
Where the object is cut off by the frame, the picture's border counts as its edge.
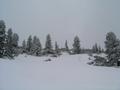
(63, 19)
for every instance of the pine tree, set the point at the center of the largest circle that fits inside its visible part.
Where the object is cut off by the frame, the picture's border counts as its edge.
(34, 39)
(112, 45)
(38, 43)
(36, 47)
(99, 49)
(15, 40)
(9, 46)
(48, 45)
(76, 45)
(102, 50)
(39, 47)
(24, 46)
(29, 44)
(33, 48)
(57, 48)
(95, 48)
(2, 38)
(66, 46)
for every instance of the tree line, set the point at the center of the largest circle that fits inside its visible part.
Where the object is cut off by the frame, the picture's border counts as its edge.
(10, 48)
(33, 46)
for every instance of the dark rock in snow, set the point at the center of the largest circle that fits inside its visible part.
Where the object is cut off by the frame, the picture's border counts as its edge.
(48, 60)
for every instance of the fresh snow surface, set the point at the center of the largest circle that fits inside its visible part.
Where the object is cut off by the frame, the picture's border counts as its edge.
(67, 72)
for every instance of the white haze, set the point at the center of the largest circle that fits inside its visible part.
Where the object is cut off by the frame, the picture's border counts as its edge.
(63, 19)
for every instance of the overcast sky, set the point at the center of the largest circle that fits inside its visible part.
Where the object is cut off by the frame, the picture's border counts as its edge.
(63, 19)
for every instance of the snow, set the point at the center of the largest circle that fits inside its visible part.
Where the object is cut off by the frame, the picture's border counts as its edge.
(67, 72)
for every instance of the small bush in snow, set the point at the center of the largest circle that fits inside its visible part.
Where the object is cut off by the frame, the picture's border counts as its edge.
(99, 61)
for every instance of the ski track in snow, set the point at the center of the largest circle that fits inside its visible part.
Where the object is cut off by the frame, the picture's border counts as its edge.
(67, 72)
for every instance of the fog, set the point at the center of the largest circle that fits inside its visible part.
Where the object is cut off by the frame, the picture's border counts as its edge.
(63, 19)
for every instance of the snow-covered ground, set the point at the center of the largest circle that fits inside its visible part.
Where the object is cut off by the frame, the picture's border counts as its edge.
(62, 73)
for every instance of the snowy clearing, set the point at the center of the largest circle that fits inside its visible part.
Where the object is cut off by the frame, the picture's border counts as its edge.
(67, 72)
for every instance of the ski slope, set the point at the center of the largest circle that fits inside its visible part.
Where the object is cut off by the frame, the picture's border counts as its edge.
(67, 72)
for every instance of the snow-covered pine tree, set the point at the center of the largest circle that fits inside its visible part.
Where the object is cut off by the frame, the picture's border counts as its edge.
(29, 44)
(24, 46)
(66, 46)
(99, 49)
(36, 47)
(48, 45)
(33, 48)
(112, 45)
(102, 50)
(15, 40)
(34, 39)
(57, 48)
(95, 48)
(2, 38)
(9, 45)
(76, 45)
(39, 47)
